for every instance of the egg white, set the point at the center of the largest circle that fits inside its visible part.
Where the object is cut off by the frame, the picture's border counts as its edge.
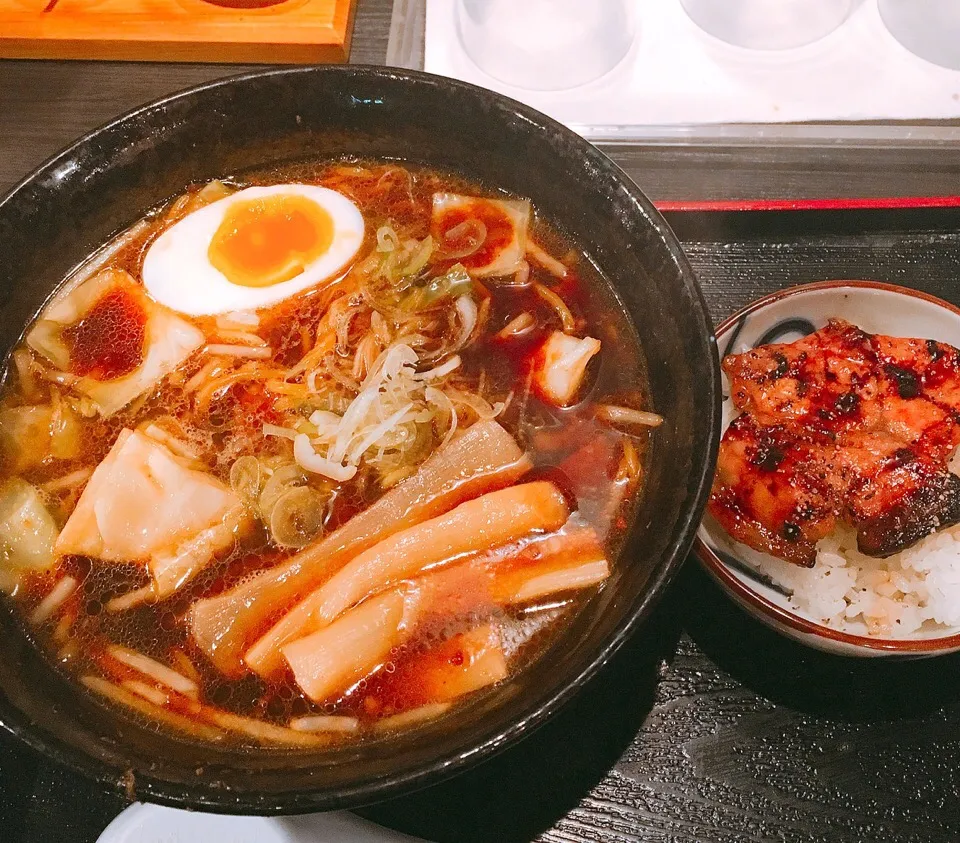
(177, 271)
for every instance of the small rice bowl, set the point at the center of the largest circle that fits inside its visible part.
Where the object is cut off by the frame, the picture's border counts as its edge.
(912, 594)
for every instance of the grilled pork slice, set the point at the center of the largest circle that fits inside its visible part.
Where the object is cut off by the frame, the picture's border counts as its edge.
(840, 425)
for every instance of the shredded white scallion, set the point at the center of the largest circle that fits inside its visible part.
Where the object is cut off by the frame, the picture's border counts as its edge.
(383, 418)
(440, 371)
(440, 400)
(377, 433)
(387, 240)
(467, 310)
(276, 430)
(310, 460)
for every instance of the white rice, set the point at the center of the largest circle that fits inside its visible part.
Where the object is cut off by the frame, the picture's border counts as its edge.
(913, 594)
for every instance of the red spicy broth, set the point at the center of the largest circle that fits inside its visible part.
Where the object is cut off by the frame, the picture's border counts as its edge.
(458, 319)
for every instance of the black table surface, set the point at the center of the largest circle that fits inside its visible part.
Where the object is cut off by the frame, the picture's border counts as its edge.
(707, 726)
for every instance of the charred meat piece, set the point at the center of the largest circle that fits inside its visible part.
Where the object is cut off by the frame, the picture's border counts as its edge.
(820, 381)
(932, 506)
(765, 497)
(840, 425)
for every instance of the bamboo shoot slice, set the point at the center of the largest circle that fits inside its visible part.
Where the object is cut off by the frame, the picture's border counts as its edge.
(484, 458)
(458, 666)
(332, 659)
(538, 581)
(490, 520)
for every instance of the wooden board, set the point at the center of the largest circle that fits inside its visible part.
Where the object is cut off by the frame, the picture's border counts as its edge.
(285, 31)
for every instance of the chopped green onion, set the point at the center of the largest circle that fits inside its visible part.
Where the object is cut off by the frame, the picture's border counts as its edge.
(454, 283)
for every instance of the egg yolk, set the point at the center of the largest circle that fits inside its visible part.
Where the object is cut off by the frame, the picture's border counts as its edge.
(266, 241)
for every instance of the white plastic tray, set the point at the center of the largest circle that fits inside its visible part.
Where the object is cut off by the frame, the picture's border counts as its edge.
(680, 84)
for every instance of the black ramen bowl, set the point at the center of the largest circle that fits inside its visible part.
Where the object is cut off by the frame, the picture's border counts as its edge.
(107, 180)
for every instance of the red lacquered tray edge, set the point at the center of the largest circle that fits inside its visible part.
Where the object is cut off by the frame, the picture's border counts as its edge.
(838, 204)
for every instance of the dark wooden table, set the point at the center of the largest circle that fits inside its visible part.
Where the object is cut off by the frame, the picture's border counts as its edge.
(707, 727)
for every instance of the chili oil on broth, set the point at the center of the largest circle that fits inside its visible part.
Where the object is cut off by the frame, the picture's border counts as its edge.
(597, 466)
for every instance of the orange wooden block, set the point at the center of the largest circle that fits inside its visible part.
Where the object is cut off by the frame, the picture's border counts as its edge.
(269, 31)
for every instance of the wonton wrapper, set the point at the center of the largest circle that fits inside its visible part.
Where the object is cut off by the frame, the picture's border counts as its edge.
(168, 339)
(507, 259)
(561, 365)
(29, 435)
(143, 504)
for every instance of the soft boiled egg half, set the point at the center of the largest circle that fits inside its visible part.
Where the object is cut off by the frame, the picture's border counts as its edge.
(253, 249)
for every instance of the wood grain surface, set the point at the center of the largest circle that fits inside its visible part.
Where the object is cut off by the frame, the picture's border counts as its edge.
(45, 105)
(177, 30)
(706, 728)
